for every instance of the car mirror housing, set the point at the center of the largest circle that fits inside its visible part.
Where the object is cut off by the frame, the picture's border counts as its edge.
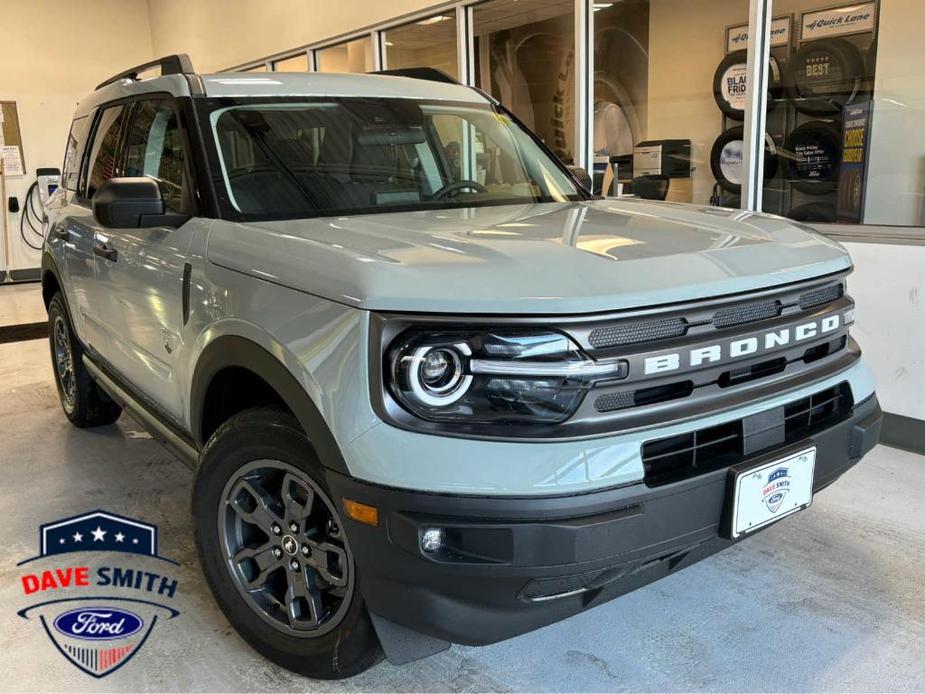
(132, 203)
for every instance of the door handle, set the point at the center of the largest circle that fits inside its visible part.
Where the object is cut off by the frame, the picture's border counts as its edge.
(106, 251)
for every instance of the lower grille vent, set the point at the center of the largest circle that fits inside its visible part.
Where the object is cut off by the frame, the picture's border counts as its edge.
(687, 455)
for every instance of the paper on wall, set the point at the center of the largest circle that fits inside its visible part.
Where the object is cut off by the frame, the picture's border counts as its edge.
(12, 162)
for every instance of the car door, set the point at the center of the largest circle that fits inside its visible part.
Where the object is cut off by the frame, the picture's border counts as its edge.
(141, 274)
(76, 225)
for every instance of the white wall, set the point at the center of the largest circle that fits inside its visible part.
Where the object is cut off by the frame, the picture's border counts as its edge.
(888, 285)
(51, 53)
(220, 33)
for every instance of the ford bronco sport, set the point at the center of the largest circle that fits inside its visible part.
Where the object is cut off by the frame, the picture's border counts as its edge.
(432, 390)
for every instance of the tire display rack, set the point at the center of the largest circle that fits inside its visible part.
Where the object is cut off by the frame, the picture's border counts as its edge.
(811, 83)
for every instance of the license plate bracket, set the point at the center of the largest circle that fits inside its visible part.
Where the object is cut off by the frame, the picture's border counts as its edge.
(764, 491)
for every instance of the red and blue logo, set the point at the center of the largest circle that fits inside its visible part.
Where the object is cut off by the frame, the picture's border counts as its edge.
(99, 615)
(776, 489)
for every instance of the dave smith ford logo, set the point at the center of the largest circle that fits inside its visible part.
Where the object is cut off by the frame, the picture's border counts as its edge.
(776, 489)
(98, 615)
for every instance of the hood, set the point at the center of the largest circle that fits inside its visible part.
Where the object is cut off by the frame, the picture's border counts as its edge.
(548, 258)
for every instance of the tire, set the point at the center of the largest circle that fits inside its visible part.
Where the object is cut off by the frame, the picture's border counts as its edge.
(84, 403)
(825, 75)
(726, 159)
(820, 212)
(730, 87)
(813, 153)
(265, 449)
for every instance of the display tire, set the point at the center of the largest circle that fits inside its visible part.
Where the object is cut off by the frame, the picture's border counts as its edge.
(818, 212)
(818, 140)
(733, 64)
(722, 158)
(85, 404)
(842, 71)
(340, 648)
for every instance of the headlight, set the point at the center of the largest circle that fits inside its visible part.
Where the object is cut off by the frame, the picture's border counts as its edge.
(498, 376)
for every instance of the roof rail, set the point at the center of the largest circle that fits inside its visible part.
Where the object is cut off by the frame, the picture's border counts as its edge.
(419, 73)
(177, 64)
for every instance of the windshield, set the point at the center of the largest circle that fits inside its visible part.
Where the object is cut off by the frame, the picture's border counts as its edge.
(361, 155)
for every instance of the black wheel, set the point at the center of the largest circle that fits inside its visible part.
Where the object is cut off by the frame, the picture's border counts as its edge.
(83, 401)
(813, 154)
(730, 88)
(274, 550)
(825, 75)
(726, 159)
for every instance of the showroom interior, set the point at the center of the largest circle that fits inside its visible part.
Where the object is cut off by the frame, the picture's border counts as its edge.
(647, 97)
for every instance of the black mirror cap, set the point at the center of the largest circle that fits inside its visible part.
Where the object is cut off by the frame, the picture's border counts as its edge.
(582, 176)
(124, 203)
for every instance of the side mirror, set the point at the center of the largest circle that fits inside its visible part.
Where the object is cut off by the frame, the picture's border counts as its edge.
(132, 203)
(583, 177)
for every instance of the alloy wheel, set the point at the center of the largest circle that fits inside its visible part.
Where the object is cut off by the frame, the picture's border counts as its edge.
(64, 363)
(285, 548)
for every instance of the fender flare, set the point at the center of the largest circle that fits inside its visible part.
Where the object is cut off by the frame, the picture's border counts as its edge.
(234, 351)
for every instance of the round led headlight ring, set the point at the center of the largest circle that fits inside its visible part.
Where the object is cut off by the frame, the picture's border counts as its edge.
(436, 375)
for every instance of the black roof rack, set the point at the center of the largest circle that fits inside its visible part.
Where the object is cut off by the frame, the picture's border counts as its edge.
(177, 64)
(419, 73)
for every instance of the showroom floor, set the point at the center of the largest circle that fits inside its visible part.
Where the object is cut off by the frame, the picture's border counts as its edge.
(831, 599)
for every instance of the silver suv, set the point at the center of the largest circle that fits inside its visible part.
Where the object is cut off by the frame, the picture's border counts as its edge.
(432, 390)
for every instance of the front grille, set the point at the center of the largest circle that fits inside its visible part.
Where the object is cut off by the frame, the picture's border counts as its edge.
(747, 313)
(823, 295)
(697, 452)
(633, 333)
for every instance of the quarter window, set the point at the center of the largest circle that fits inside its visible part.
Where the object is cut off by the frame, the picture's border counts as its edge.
(75, 141)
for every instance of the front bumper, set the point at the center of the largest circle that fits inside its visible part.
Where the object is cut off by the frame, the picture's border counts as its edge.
(513, 564)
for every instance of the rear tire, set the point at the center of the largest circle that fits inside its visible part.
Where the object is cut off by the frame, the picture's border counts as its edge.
(274, 551)
(84, 403)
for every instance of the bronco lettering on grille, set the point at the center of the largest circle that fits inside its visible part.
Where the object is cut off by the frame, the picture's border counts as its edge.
(742, 347)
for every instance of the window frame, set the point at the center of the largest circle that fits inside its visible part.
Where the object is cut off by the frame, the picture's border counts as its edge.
(192, 195)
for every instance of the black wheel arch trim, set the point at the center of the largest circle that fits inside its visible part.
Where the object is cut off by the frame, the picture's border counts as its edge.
(234, 351)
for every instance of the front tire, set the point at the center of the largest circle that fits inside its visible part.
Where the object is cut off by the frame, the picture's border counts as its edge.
(273, 548)
(83, 401)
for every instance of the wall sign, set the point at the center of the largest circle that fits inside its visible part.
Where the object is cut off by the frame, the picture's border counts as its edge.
(11, 140)
(838, 21)
(850, 204)
(737, 36)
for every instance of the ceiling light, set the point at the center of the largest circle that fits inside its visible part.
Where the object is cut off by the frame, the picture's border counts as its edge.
(434, 20)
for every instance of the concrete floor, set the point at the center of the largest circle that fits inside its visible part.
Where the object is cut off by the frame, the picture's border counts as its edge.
(21, 303)
(830, 599)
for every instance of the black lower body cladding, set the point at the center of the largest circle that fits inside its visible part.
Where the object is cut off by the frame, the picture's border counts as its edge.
(511, 565)
(813, 154)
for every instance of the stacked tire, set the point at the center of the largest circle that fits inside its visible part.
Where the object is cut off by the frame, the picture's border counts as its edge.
(726, 159)
(730, 84)
(825, 75)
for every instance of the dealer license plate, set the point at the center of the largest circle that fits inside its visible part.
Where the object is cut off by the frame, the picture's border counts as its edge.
(771, 491)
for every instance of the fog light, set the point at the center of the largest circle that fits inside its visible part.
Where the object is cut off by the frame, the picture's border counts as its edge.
(848, 316)
(432, 539)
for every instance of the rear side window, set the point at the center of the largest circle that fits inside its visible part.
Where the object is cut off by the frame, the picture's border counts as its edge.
(76, 140)
(155, 149)
(103, 155)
